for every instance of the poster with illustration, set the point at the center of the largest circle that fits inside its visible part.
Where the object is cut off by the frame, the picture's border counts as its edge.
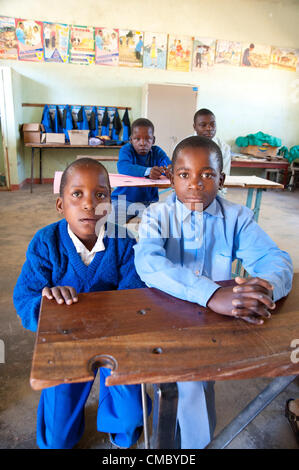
(130, 48)
(106, 46)
(155, 50)
(30, 40)
(179, 53)
(8, 38)
(284, 58)
(228, 52)
(56, 42)
(81, 45)
(255, 55)
(203, 55)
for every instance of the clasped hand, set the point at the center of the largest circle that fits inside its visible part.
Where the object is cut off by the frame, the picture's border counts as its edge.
(157, 171)
(251, 300)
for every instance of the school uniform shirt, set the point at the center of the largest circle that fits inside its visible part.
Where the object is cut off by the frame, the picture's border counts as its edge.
(184, 253)
(226, 154)
(133, 164)
(86, 255)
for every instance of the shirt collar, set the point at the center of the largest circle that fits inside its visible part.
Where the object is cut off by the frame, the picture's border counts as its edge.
(81, 248)
(213, 209)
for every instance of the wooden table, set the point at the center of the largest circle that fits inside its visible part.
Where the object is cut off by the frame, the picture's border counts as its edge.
(42, 147)
(147, 336)
(248, 161)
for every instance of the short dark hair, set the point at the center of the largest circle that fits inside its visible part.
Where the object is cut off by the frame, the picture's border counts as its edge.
(142, 122)
(202, 112)
(80, 162)
(197, 141)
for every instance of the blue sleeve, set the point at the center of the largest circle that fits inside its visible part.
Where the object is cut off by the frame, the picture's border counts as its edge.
(128, 277)
(126, 165)
(35, 275)
(261, 257)
(161, 157)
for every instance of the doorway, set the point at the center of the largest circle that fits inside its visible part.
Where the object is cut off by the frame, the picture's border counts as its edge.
(171, 108)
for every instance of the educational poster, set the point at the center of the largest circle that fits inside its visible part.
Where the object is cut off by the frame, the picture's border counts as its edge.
(8, 38)
(56, 42)
(30, 40)
(106, 46)
(130, 48)
(228, 52)
(284, 58)
(155, 50)
(203, 55)
(255, 55)
(179, 53)
(81, 45)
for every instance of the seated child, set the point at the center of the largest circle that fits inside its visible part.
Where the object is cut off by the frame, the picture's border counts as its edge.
(80, 254)
(188, 243)
(204, 124)
(140, 157)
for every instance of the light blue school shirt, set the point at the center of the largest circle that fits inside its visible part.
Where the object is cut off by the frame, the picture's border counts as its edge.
(184, 253)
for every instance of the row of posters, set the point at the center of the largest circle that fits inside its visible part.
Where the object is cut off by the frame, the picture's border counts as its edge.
(52, 42)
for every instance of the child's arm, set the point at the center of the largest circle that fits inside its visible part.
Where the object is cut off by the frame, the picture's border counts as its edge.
(126, 165)
(251, 300)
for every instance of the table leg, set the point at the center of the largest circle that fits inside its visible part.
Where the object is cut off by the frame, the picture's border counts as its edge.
(145, 417)
(255, 407)
(40, 166)
(32, 161)
(164, 416)
(257, 205)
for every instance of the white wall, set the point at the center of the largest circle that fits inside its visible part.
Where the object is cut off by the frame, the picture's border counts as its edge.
(244, 101)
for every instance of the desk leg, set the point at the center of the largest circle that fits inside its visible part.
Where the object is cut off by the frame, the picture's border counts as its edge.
(255, 407)
(145, 417)
(40, 167)
(32, 161)
(164, 416)
(257, 204)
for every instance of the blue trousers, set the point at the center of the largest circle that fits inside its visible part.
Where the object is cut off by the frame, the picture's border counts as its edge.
(60, 414)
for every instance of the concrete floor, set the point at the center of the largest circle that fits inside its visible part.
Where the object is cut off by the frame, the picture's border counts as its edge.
(22, 214)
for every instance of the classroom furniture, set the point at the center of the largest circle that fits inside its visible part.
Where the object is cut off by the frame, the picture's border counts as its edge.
(159, 339)
(294, 167)
(247, 161)
(42, 147)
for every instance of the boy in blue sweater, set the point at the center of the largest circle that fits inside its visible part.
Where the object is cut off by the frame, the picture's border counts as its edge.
(140, 157)
(80, 254)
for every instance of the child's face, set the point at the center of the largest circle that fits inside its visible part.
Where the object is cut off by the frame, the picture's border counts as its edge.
(205, 125)
(196, 178)
(142, 139)
(86, 190)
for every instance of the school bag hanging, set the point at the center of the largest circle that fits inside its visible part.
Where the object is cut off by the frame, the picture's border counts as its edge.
(94, 122)
(126, 126)
(116, 126)
(47, 120)
(67, 122)
(82, 122)
(105, 123)
(58, 129)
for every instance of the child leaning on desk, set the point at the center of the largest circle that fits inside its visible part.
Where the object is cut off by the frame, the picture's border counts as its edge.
(188, 243)
(80, 253)
(140, 157)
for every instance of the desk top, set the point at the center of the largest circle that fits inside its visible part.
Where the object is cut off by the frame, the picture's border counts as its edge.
(147, 336)
(117, 180)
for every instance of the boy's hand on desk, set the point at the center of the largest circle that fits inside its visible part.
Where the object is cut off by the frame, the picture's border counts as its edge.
(250, 301)
(61, 294)
(156, 172)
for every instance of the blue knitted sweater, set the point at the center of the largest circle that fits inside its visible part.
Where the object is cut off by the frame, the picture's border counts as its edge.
(52, 260)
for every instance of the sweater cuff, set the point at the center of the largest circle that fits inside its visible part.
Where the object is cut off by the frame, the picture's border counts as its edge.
(147, 172)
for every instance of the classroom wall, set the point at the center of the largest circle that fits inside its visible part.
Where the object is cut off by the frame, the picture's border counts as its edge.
(244, 101)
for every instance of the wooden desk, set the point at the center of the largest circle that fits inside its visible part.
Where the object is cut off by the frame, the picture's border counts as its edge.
(42, 147)
(147, 336)
(253, 162)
